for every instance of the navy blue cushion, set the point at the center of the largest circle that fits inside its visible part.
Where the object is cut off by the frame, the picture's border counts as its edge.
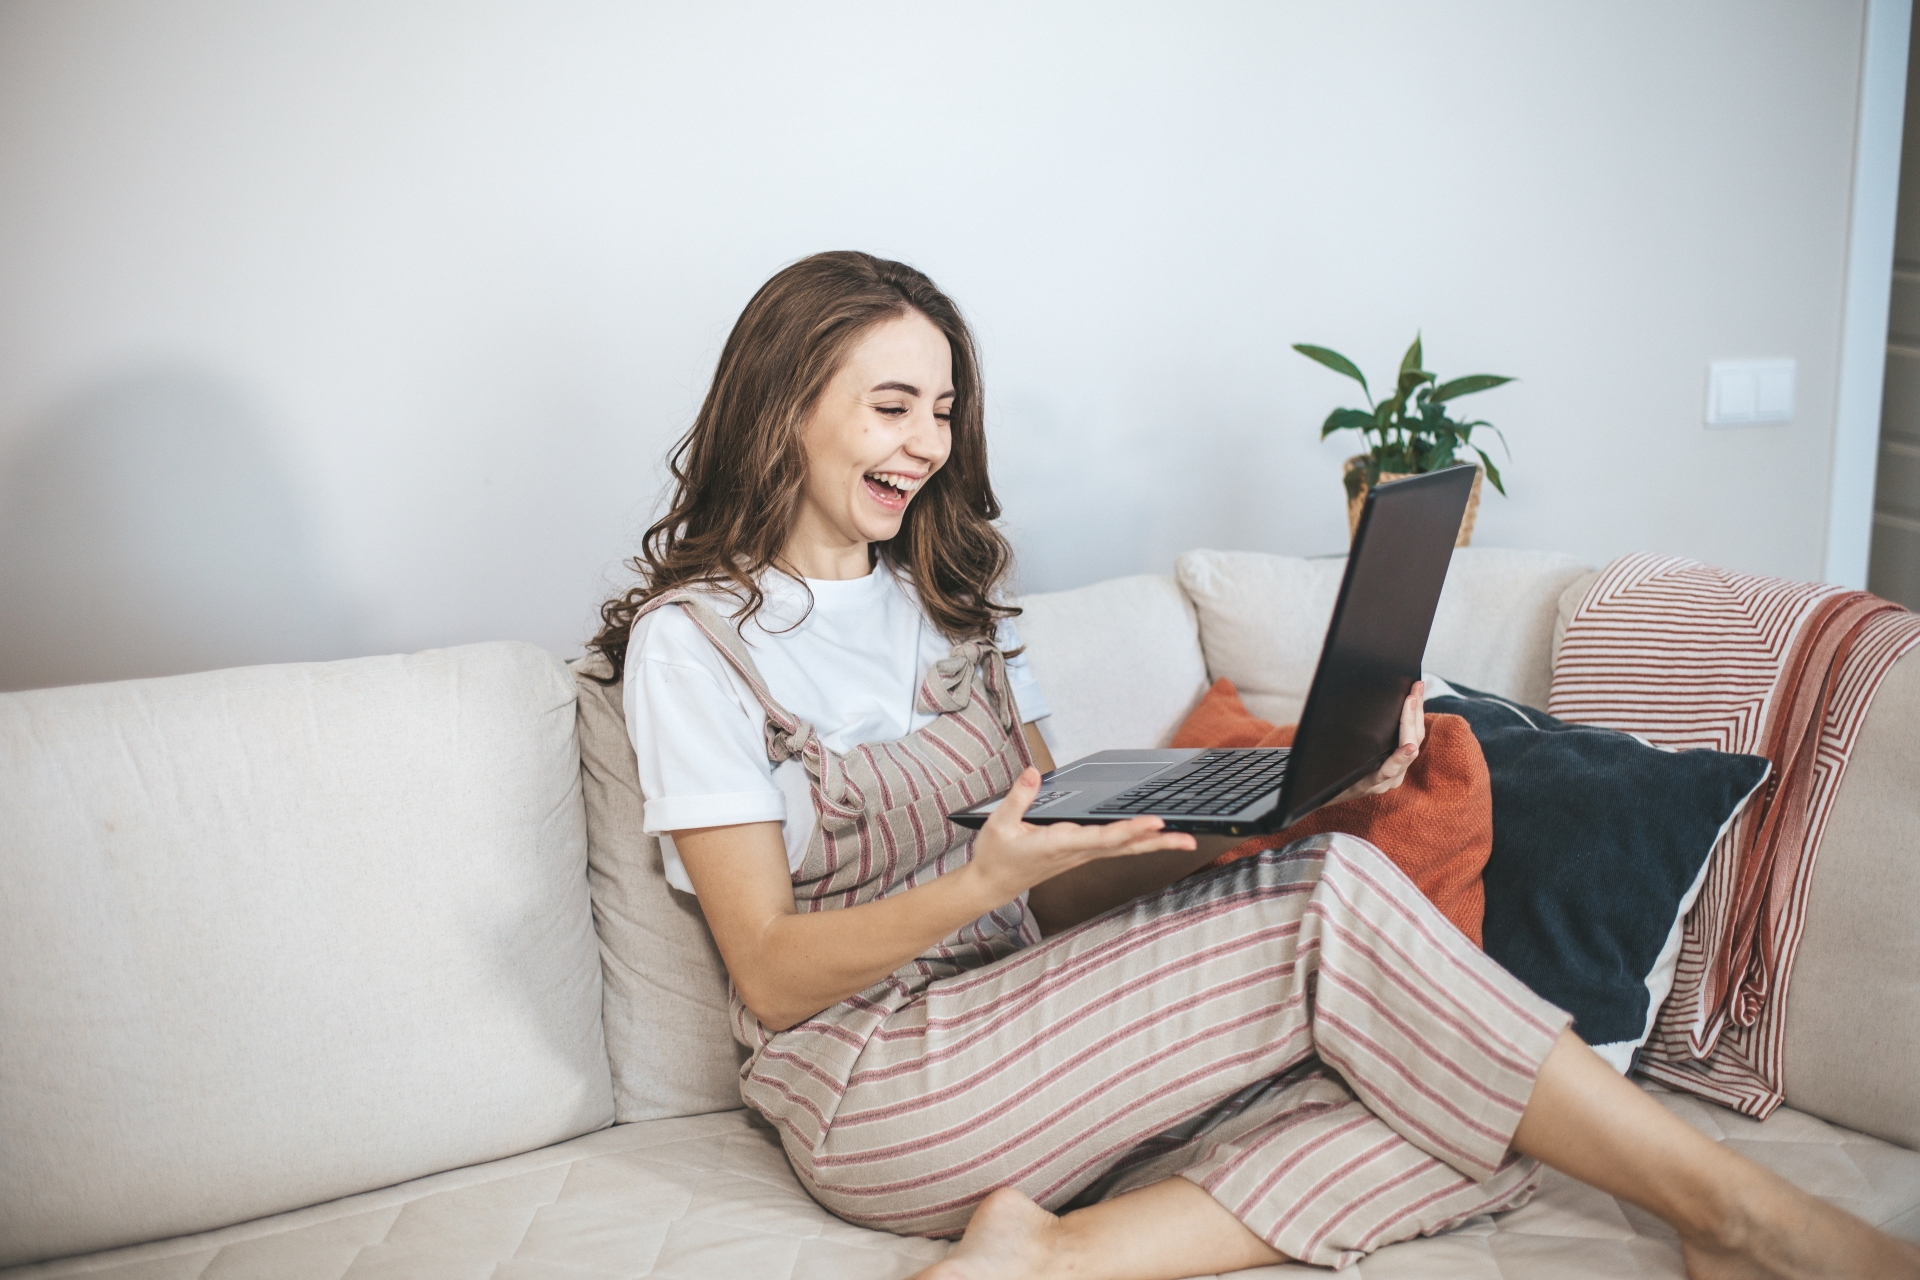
(1597, 840)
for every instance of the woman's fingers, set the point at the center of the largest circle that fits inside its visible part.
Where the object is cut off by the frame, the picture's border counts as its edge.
(1389, 776)
(1111, 835)
(1413, 732)
(1135, 835)
(1013, 809)
(1150, 839)
(1170, 840)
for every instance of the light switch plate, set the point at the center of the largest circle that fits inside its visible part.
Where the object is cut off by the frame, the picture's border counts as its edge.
(1745, 392)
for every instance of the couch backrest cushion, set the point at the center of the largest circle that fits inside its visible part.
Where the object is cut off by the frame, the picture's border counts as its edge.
(1263, 618)
(1852, 1037)
(280, 934)
(1119, 663)
(668, 1035)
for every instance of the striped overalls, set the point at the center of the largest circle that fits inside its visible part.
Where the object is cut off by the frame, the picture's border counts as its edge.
(1300, 1033)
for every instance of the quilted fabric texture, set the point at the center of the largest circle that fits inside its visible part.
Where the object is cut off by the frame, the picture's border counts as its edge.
(711, 1198)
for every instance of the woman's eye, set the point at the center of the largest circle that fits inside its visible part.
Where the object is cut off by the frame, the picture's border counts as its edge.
(892, 410)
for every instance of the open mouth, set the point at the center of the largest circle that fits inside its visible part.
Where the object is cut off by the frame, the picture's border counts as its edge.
(891, 489)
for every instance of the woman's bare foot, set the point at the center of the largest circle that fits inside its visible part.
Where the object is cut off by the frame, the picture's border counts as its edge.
(1168, 1229)
(1775, 1231)
(1009, 1238)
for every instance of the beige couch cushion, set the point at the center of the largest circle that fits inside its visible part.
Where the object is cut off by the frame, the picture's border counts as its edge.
(1853, 1001)
(1119, 663)
(711, 1198)
(280, 934)
(668, 1036)
(1263, 618)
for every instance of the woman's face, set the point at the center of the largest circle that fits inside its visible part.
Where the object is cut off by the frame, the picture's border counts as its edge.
(878, 431)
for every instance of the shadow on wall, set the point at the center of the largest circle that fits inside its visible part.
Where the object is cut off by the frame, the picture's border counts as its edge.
(150, 529)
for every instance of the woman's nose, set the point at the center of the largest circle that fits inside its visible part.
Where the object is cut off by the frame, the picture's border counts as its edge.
(928, 440)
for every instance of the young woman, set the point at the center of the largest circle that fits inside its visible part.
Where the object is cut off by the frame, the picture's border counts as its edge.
(1058, 1038)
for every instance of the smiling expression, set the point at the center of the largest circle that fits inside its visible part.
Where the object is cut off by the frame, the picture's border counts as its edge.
(878, 432)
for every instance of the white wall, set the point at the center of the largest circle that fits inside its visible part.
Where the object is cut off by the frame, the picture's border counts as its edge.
(341, 328)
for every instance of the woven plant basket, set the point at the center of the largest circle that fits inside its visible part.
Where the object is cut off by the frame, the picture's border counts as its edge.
(1359, 461)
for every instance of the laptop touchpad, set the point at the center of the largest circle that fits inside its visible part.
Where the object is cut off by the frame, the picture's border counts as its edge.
(1117, 771)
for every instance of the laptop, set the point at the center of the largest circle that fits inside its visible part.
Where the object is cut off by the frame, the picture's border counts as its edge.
(1351, 722)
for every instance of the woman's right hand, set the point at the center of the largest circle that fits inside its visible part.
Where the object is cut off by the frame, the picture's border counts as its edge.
(1012, 855)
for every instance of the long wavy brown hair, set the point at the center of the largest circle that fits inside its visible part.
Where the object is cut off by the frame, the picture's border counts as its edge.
(739, 470)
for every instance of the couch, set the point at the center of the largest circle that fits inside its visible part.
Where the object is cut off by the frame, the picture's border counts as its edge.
(364, 968)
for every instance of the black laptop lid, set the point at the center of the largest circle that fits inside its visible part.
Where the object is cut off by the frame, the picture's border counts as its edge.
(1378, 636)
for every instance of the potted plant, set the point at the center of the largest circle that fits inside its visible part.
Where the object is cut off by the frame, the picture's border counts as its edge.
(1409, 433)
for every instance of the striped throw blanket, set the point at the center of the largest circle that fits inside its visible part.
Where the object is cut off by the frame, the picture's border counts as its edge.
(1691, 656)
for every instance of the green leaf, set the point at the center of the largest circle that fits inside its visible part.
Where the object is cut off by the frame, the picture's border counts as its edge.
(1466, 429)
(1336, 362)
(1493, 472)
(1411, 360)
(1346, 420)
(1468, 385)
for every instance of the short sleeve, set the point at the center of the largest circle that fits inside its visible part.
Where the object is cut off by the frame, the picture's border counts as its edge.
(700, 750)
(1026, 688)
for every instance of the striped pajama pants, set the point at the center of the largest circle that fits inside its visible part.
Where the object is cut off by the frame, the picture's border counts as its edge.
(1300, 1033)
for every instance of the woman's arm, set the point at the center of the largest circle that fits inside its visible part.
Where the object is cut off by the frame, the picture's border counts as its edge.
(1086, 891)
(788, 965)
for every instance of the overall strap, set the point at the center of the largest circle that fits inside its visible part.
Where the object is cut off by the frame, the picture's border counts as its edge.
(949, 687)
(727, 640)
(787, 736)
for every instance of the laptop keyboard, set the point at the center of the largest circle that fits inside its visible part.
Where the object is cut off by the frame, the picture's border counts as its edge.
(1220, 782)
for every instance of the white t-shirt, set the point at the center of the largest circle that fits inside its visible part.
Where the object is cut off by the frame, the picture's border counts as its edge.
(852, 668)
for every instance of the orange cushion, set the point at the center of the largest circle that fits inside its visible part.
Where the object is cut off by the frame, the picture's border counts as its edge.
(1437, 826)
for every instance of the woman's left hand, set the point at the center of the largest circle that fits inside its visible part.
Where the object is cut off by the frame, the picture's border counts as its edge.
(1393, 771)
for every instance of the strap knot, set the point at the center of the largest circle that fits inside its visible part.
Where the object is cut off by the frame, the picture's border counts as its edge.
(796, 740)
(949, 683)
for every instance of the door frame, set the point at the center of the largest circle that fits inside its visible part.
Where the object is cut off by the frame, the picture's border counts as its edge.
(1869, 288)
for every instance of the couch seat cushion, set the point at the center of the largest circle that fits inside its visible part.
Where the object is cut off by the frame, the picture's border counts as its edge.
(711, 1196)
(336, 909)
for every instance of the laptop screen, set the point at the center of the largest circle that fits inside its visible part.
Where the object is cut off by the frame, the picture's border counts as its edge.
(1378, 636)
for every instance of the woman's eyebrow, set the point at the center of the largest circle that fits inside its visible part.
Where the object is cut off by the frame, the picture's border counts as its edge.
(909, 388)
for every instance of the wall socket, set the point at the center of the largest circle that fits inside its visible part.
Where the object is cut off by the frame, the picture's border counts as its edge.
(1746, 392)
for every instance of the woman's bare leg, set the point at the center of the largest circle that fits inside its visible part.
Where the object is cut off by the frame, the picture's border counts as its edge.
(1162, 1232)
(1735, 1218)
